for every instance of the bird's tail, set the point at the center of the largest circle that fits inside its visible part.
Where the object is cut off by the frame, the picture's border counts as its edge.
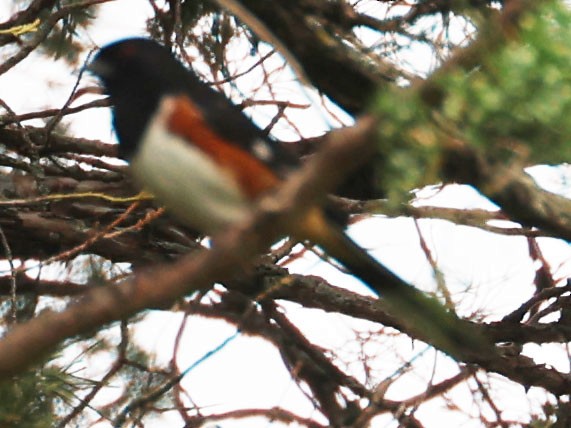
(417, 311)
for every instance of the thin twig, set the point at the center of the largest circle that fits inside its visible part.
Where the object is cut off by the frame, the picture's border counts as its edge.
(13, 283)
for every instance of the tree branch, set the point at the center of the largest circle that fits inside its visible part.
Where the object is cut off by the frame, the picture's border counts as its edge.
(164, 284)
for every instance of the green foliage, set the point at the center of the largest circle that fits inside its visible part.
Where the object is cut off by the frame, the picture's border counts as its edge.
(409, 142)
(28, 400)
(62, 41)
(522, 94)
(516, 104)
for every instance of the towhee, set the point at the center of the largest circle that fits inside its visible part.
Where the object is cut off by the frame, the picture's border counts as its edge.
(208, 164)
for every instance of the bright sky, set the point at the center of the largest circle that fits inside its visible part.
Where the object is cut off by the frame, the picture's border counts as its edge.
(248, 372)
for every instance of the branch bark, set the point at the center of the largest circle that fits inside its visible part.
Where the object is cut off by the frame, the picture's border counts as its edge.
(162, 285)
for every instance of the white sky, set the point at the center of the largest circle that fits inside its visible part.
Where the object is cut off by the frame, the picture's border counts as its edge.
(235, 376)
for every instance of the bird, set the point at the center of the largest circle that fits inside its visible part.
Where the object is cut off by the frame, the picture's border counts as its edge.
(209, 164)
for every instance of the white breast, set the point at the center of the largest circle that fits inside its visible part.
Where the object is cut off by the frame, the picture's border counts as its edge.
(190, 185)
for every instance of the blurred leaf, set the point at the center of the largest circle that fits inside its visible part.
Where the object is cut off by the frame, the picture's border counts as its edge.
(62, 42)
(521, 96)
(29, 399)
(516, 105)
